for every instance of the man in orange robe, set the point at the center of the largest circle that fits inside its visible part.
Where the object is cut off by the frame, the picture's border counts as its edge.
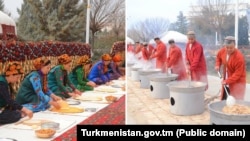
(196, 63)
(147, 51)
(175, 61)
(138, 47)
(160, 54)
(234, 69)
(130, 48)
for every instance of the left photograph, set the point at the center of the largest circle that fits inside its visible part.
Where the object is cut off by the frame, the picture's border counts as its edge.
(62, 64)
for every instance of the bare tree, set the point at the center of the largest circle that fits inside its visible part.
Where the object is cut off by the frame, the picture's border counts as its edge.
(148, 29)
(209, 15)
(102, 13)
(119, 24)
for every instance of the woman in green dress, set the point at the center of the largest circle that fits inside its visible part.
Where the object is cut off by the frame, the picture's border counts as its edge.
(33, 92)
(78, 75)
(58, 79)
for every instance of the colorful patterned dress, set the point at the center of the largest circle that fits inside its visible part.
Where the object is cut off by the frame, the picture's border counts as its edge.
(31, 94)
(79, 79)
(114, 71)
(59, 82)
(99, 74)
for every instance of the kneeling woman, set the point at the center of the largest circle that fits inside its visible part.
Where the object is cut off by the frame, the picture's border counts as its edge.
(58, 79)
(114, 66)
(33, 92)
(10, 110)
(99, 72)
(78, 76)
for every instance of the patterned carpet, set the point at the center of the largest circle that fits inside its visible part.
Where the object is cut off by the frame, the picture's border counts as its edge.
(114, 114)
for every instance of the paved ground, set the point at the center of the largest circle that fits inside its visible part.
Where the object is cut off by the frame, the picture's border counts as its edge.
(143, 109)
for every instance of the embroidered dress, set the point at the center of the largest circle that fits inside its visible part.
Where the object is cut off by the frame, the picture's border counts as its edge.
(99, 73)
(79, 79)
(59, 82)
(31, 93)
(114, 71)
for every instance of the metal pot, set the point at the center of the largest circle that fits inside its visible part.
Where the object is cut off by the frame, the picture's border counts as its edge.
(187, 98)
(144, 79)
(218, 117)
(128, 68)
(158, 86)
(135, 73)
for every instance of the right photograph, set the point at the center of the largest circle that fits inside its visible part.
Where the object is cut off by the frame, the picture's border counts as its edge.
(188, 62)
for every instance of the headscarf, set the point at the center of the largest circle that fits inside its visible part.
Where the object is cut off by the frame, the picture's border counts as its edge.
(117, 58)
(64, 59)
(84, 60)
(39, 63)
(13, 69)
(106, 57)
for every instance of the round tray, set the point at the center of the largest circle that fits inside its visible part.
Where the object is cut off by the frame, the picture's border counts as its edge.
(7, 139)
(73, 102)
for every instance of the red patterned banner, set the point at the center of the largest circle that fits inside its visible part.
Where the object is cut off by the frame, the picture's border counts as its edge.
(20, 51)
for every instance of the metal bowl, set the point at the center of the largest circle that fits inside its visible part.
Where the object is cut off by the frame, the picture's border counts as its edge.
(45, 133)
(50, 125)
(219, 117)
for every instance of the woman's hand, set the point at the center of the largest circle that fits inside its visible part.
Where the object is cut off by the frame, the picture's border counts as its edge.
(55, 104)
(76, 91)
(27, 112)
(55, 97)
(91, 83)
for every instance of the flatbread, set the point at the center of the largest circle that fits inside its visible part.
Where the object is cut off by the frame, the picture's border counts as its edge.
(33, 122)
(68, 110)
(65, 108)
(89, 98)
(106, 89)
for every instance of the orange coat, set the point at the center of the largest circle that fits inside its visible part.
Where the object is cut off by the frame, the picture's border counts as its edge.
(147, 52)
(196, 62)
(176, 63)
(138, 48)
(236, 70)
(160, 54)
(130, 48)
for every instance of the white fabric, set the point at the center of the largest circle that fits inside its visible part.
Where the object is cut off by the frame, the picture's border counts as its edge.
(67, 121)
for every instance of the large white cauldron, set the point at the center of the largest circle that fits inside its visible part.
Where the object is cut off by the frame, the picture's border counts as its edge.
(144, 77)
(158, 86)
(187, 98)
(128, 69)
(135, 73)
(218, 117)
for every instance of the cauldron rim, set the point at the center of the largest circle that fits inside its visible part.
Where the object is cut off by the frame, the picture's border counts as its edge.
(211, 109)
(175, 84)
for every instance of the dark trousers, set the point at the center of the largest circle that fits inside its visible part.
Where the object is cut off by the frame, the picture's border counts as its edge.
(224, 96)
(9, 116)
